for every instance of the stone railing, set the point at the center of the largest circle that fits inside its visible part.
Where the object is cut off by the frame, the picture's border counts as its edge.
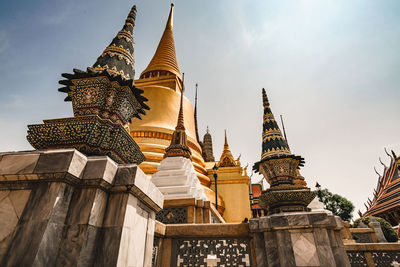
(188, 210)
(363, 235)
(374, 254)
(181, 245)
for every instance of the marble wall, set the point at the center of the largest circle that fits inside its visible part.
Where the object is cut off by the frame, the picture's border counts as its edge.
(298, 239)
(61, 208)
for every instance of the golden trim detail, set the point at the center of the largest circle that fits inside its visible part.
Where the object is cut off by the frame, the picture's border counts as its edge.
(160, 135)
(240, 181)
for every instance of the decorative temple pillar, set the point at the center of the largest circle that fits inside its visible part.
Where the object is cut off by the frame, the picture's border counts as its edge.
(80, 199)
(291, 235)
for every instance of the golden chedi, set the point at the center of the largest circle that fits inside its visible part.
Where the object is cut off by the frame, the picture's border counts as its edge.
(162, 83)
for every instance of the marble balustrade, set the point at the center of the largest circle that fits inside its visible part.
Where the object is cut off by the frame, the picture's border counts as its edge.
(61, 208)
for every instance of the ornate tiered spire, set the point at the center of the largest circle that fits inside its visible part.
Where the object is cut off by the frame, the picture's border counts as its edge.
(164, 61)
(178, 146)
(104, 99)
(207, 147)
(273, 142)
(118, 56)
(288, 191)
(226, 159)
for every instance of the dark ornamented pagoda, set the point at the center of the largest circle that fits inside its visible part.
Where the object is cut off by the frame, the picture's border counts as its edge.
(386, 197)
(280, 168)
(178, 146)
(208, 147)
(104, 99)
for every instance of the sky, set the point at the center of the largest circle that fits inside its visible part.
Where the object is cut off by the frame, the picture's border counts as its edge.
(331, 68)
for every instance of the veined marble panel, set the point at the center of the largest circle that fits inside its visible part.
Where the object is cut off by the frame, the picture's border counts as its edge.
(18, 163)
(8, 218)
(100, 168)
(305, 251)
(98, 208)
(12, 205)
(132, 245)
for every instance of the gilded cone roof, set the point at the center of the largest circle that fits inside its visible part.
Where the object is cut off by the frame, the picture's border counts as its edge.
(273, 142)
(226, 159)
(118, 56)
(178, 146)
(165, 57)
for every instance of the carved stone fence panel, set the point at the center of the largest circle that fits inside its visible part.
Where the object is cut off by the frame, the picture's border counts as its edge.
(211, 252)
(219, 244)
(373, 254)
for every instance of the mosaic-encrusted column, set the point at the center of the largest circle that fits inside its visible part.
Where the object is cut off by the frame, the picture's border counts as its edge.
(104, 99)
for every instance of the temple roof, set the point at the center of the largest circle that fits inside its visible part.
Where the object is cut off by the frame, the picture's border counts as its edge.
(178, 146)
(255, 193)
(226, 159)
(164, 58)
(118, 55)
(386, 196)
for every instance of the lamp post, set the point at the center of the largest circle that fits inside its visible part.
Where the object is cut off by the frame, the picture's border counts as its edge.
(215, 168)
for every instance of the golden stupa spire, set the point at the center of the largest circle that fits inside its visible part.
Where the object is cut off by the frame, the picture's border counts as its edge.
(178, 146)
(226, 159)
(164, 61)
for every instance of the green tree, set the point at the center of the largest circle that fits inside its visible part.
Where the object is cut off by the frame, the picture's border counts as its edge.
(338, 205)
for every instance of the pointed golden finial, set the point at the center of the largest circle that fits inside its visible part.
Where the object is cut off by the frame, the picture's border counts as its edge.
(226, 146)
(164, 61)
(170, 21)
(226, 159)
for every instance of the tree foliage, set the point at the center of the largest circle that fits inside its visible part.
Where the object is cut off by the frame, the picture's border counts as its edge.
(338, 205)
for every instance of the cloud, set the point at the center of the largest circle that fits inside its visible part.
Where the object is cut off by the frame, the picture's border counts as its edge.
(14, 101)
(4, 42)
(55, 18)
